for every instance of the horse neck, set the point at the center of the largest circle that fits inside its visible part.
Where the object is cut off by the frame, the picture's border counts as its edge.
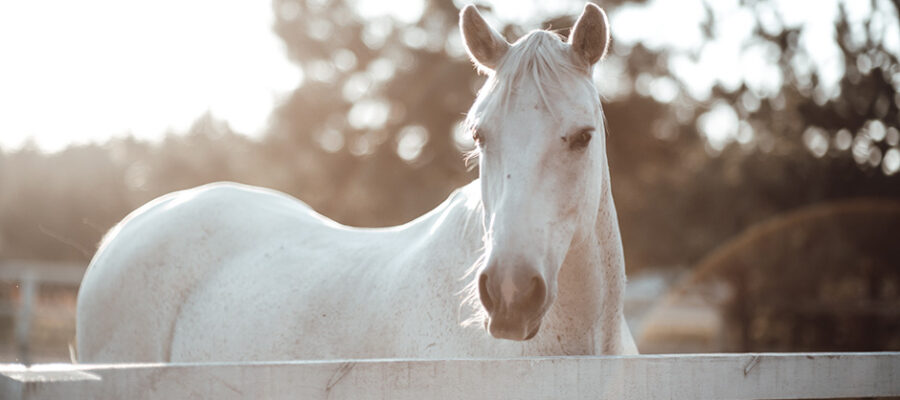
(591, 282)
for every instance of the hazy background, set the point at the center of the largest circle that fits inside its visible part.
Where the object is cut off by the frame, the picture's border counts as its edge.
(754, 145)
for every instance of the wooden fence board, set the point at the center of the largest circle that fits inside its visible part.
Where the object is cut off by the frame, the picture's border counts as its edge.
(696, 376)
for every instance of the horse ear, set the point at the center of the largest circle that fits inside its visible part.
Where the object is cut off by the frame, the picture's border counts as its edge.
(590, 35)
(485, 46)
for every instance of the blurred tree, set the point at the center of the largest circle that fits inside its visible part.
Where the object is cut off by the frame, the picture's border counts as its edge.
(680, 194)
(58, 206)
(369, 132)
(823, 278)
(370, 136)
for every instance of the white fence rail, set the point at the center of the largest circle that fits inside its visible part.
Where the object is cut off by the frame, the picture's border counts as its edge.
(700, 376)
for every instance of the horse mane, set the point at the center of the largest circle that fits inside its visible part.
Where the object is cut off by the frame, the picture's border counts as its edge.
(470, 196)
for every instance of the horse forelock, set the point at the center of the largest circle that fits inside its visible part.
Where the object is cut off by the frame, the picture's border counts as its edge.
(542, 58)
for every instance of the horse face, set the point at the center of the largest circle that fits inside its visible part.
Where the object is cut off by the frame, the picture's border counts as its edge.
(539, 128)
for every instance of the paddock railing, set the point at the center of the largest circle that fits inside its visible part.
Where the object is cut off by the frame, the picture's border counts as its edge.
(694, 376)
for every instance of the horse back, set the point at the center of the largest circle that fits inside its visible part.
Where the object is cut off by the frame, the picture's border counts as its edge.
(149, 264)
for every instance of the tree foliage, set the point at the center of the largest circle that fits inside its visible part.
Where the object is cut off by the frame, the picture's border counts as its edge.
(370, 137)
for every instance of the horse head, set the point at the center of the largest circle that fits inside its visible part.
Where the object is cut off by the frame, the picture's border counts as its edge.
(539, 129)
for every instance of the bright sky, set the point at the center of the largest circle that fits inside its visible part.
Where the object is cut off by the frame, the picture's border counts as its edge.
(87, 70)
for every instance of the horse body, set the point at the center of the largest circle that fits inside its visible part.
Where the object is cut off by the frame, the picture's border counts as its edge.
(242, 273)
(530, 251)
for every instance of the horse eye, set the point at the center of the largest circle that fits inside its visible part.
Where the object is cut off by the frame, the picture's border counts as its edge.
(581, 139)
(476, 136)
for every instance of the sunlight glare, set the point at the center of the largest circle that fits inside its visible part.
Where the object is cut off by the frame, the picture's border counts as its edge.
(891, 163)
(410, 142)
(404, 11)
(727, 60)
(77, 72)
(719, 125)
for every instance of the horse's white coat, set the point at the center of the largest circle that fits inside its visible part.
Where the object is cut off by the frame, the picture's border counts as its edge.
(232, 272)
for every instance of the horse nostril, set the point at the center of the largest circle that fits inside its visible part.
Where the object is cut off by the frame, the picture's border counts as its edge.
(536, 295)
(484, 294)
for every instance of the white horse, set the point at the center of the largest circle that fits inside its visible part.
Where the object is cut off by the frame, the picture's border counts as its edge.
(531, 250)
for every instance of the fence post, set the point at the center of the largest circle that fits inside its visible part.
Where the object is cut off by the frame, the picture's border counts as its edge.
(28, 288)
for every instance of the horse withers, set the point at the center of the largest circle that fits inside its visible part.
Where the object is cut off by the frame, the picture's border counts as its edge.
(525, 261)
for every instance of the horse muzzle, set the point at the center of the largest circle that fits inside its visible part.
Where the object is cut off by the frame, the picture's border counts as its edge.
(515, 302)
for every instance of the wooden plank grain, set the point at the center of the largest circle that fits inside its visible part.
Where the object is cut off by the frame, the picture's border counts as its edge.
(696, 376)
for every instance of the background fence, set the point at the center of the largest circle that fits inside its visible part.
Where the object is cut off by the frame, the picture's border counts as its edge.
(41, 311)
